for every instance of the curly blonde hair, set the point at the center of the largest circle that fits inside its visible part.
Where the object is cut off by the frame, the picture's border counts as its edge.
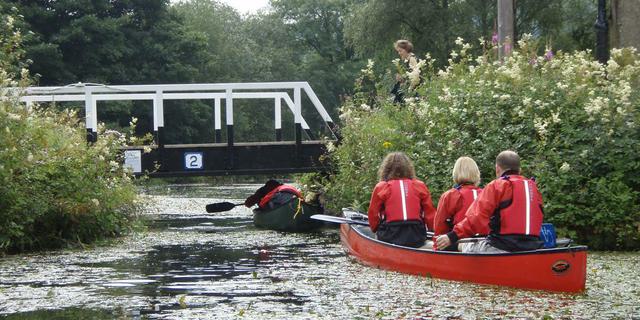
(396, 165)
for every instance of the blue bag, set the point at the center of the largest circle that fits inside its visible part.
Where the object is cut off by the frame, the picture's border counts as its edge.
(548, 235)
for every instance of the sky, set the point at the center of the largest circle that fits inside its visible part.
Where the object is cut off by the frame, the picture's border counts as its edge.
(247, 6)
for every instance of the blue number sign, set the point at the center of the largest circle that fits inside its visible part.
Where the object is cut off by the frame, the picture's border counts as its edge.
(193, 161)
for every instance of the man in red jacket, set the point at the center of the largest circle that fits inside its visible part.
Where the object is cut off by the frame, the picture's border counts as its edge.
(509, 206)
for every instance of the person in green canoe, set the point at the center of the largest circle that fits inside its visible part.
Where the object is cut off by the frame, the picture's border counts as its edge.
(272, 195)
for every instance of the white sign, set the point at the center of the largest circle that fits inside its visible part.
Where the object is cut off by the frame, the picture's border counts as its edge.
(133, 160)
(193, 160)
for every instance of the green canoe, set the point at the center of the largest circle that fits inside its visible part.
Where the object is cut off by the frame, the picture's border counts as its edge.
(294, 216)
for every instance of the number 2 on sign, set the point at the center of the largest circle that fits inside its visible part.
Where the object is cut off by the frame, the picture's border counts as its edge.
(193, 160)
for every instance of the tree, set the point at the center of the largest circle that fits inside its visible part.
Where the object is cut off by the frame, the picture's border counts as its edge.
(327, 61)
(433, 25)
(115, 42)
(298, 40)
(240, 50)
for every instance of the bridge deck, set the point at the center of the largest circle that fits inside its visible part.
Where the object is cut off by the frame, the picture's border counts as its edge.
(224, 144)
(219, 159)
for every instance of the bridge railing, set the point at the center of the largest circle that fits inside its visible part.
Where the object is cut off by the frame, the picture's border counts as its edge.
(158, 93)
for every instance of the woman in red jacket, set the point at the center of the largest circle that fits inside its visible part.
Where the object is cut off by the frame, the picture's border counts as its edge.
(454, 203)
(400, 206)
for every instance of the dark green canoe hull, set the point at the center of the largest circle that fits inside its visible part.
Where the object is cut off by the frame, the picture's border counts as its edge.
(284, 218)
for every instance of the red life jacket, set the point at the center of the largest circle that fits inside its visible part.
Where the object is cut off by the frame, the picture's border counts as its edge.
(522, 215)
(403, 203)
(283, 188)
(468, 195)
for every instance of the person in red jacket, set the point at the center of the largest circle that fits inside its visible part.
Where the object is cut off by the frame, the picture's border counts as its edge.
(510, 206)
(454, 203)
(272, 195)
(400, 204)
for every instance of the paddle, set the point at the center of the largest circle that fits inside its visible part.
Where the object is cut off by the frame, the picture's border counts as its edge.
(221, 206)
(354, 219)
(356, 215)
(334, 219)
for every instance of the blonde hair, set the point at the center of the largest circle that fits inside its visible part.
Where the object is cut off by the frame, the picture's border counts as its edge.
(466, 171)
(404, 44)
(396, 165)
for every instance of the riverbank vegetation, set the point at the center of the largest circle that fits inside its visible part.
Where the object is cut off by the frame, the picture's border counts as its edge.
(55, 189)
(574, 122)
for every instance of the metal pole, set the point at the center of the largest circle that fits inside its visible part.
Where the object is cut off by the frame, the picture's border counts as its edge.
(602, 33)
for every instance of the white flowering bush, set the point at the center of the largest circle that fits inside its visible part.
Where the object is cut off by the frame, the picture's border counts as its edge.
(55, 189)
(574, 122)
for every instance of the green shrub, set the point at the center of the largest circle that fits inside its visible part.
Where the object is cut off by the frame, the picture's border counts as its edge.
(55, 189)
(574, 122)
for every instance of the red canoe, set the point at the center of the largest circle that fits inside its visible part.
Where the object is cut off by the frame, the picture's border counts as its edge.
(557, 269)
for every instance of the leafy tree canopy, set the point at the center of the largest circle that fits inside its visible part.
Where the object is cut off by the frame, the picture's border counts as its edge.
(433, 25)
(115, 42)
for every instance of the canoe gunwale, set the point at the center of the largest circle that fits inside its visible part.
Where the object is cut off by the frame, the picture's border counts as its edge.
(569, 249)
(259, 211)
(283, 218)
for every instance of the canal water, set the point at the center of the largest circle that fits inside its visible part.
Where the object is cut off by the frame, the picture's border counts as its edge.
(194, 265)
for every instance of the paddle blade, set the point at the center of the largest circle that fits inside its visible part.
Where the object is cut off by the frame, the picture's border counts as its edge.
(324, 217)
(220, 207)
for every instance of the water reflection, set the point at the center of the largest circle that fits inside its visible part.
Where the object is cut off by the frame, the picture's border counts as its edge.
(198, 223)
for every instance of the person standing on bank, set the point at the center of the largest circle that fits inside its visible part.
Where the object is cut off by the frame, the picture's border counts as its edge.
(400, 210)
(454, 203)
(510, 207)
(408, 63)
